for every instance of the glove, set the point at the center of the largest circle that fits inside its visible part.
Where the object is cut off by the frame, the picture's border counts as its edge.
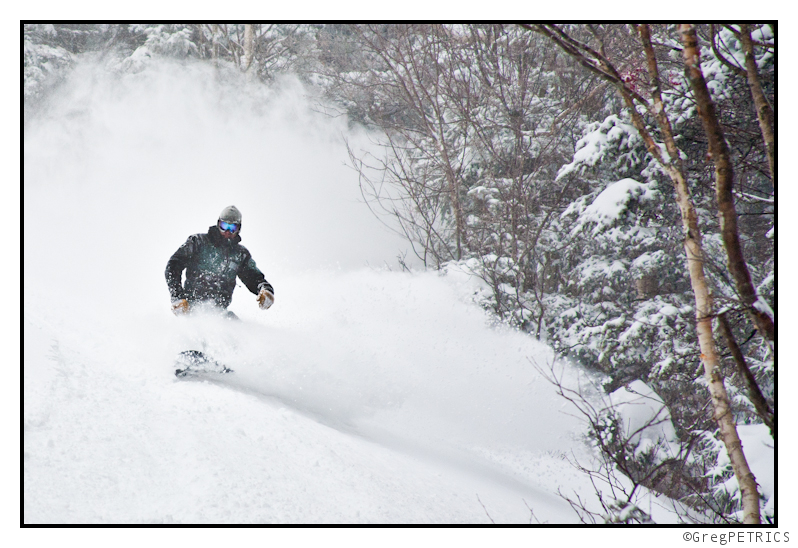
(265, 299)
(180, 307)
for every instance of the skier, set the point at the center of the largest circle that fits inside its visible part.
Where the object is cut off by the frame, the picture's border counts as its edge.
(212, 261)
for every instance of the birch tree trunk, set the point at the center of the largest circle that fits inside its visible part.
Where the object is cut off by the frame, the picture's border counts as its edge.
(249, 47)
(724, 178)
(764, 112)
(704, 306)
(215, 44)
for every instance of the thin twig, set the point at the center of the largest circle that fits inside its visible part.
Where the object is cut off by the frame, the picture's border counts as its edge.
(486, 510)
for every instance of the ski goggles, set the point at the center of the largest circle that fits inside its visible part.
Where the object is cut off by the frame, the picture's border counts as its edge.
(229, 227)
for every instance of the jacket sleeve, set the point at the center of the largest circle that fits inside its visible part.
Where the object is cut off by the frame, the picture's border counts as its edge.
(252, 277)
(175, 266)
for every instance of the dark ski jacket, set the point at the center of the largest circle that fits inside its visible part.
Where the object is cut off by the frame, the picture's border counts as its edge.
(212, 263)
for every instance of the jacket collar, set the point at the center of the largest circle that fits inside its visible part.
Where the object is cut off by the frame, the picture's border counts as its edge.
(217, 239)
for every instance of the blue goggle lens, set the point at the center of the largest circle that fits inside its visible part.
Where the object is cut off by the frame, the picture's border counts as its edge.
(228, 227)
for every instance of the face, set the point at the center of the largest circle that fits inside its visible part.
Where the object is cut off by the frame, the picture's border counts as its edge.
(228, 230)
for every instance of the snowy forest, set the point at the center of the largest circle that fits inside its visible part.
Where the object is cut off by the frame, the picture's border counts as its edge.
(600, 196)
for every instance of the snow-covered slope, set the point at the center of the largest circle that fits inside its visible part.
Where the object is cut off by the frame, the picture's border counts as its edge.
(394, 405)
(362, 396)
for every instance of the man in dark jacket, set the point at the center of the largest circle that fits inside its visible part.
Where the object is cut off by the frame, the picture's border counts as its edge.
(212, 261)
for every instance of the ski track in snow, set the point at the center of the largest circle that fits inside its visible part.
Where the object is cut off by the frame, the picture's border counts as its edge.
(361, 396)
